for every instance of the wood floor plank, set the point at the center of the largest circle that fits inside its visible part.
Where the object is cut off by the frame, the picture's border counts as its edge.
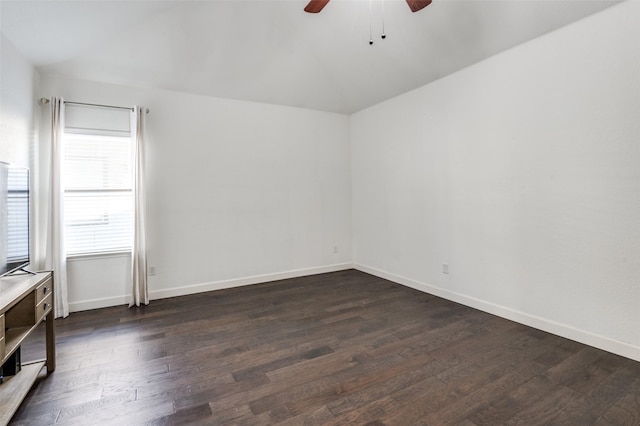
(317, 417)
(330, 349)
(545, 409)
(382, 389)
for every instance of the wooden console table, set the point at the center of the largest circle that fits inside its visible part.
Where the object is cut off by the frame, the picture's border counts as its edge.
(25, 301)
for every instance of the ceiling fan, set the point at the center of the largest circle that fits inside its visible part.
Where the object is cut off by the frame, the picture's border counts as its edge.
(316, 6)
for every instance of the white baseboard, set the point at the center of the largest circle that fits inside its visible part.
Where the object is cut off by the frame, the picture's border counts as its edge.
(238, 282)
(107, 302)
(86, 305)
(597, 341)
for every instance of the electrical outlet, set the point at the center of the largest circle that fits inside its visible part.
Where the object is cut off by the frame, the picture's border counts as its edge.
(152, 271)
(445, 268)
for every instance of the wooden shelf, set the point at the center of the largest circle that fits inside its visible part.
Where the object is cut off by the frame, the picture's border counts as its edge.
(25, 301)
(15, 388)
(13, 339)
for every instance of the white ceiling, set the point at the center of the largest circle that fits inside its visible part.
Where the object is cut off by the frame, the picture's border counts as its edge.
(270, 50)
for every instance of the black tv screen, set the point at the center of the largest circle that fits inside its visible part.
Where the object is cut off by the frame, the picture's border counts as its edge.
(14, 217)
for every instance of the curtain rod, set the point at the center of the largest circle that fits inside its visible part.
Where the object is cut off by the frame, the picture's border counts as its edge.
(45, 101)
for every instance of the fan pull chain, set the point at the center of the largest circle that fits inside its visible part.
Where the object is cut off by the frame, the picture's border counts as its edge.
(370, 22)
(383, 34)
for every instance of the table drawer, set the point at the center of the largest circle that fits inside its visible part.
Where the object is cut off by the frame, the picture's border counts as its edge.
(44, 306)
(43, 290)
(1, 336)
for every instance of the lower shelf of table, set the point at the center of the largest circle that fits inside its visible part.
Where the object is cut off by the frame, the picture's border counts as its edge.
(15, 388)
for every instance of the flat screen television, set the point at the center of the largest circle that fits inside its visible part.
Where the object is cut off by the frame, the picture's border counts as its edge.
(14, 218)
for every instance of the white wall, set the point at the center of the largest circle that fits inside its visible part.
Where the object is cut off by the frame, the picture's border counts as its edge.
(18, 120)
(238, 193)
(522, 173)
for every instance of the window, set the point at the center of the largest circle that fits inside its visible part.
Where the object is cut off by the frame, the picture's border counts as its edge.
(98, 201)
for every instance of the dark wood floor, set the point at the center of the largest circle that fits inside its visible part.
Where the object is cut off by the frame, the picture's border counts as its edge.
(339, 348)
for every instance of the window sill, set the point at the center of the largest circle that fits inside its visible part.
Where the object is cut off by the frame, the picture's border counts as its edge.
(104, 255)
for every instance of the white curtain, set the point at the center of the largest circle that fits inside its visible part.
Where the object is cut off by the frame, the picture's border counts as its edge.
(56, 258)
(139, 288)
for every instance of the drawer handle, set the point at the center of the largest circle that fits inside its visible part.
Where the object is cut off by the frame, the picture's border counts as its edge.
(45, 290)
(45, 306)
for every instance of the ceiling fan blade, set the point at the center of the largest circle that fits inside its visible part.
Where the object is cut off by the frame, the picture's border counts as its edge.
(315, 6)
(416, 5)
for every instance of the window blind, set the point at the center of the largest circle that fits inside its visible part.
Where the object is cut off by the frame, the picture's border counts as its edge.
(18, 215)
(98, 193)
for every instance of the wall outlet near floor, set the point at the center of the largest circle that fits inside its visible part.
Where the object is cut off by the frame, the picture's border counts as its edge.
(152, 271)
(445, 268)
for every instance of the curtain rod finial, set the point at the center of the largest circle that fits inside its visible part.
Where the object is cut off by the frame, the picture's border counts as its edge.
(44, 101)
